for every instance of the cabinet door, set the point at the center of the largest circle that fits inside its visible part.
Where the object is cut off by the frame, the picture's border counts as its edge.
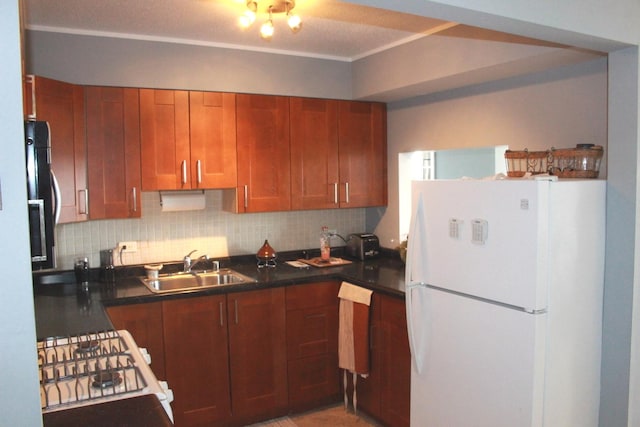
(314, 153)
(144, 322)
(197, 359)
(363, 160)
(263, 147)
(257, 347)
(113, 152)
(396, 364)
(62, 105)
(212, 118)
(164, 133)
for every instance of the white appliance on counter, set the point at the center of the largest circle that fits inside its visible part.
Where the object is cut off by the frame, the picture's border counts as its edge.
(93, 368)
(504, 287)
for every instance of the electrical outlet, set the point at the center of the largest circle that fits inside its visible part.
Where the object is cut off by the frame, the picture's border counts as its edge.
(127, 247)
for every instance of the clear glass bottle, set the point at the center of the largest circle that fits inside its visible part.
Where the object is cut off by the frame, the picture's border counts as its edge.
(325, 246)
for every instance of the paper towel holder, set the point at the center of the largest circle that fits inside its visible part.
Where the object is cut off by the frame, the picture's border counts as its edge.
(188, 200)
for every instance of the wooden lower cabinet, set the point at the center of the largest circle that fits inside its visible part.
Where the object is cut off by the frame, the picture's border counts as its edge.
(312, 345)
(197, 359)
(385, 394)
(258, 360)
(245, 357)
(144, 322)
(225, 357)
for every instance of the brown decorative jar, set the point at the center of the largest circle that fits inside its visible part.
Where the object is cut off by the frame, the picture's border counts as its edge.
(266, 256)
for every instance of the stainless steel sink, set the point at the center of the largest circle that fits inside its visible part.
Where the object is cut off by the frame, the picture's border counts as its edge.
(195, 280)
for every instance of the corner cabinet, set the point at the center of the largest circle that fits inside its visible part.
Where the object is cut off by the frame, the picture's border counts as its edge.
(263, 147)
(113, 152)
(188, 139)
(338, 154)
(385, 394)
(62, 105)
(144, 322)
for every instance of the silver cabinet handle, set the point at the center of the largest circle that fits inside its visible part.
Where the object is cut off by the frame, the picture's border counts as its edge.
(335, 193)
(199, 171)
(184, 171)
(246, 196)
(235, 302)
(346, 189)
(86, 201)
(31, 79)
(135, 199)
(221, 314)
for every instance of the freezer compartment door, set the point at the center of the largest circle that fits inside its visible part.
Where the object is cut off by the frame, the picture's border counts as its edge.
(483, 364)
(484, 238)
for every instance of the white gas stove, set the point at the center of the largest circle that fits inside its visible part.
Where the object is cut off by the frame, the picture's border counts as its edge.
(94, 368)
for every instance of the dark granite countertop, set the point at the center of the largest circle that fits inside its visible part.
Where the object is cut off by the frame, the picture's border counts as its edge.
(63, 308)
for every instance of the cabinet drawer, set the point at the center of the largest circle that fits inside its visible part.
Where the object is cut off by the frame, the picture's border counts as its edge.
(312, 295)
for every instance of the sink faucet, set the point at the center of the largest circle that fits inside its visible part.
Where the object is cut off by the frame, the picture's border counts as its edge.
(188, 263)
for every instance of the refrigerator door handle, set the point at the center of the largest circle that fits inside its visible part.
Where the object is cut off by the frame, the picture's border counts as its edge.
(416, 290)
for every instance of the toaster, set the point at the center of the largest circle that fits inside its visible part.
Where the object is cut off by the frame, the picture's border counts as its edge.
(363, 246)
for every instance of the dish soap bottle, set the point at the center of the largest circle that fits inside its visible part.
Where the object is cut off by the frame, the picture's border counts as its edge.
(325, 246)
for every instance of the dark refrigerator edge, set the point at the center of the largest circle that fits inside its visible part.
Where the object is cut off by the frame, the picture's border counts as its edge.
(40, 194)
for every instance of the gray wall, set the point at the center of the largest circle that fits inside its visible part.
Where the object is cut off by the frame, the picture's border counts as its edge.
(557, 108)
(107, 61)
(19, 396)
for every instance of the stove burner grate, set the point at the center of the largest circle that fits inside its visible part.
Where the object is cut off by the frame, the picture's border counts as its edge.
(84, 368)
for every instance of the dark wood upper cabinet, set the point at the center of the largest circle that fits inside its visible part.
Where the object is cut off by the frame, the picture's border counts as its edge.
(362, 132)
(188, 139)
(314, 153)
(212, 120)
(62, 105)
(164, 133)
(263, 146)
(113, 152)
(338, 154)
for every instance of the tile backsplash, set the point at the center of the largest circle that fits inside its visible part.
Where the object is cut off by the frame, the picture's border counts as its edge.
(168, 236)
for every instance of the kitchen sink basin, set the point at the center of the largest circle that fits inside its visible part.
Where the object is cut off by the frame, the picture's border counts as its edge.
(195, 280)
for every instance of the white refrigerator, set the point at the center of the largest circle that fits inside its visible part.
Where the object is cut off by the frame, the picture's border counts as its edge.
(504, 287)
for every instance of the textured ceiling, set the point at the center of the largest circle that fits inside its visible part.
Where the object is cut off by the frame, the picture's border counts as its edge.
(331, 29)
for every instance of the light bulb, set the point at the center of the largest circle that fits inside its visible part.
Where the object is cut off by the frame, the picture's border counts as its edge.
(247, 19)
(294, 22)
(266, 31)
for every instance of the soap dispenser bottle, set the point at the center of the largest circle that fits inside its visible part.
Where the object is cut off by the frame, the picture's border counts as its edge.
(325, 246)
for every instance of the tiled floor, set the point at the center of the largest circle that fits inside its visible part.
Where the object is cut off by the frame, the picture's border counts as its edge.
(334, 416)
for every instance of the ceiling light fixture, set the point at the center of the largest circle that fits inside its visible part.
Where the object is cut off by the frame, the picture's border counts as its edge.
(271, 7)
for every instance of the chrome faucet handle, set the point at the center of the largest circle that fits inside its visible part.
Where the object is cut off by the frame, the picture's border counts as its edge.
(186, 261)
